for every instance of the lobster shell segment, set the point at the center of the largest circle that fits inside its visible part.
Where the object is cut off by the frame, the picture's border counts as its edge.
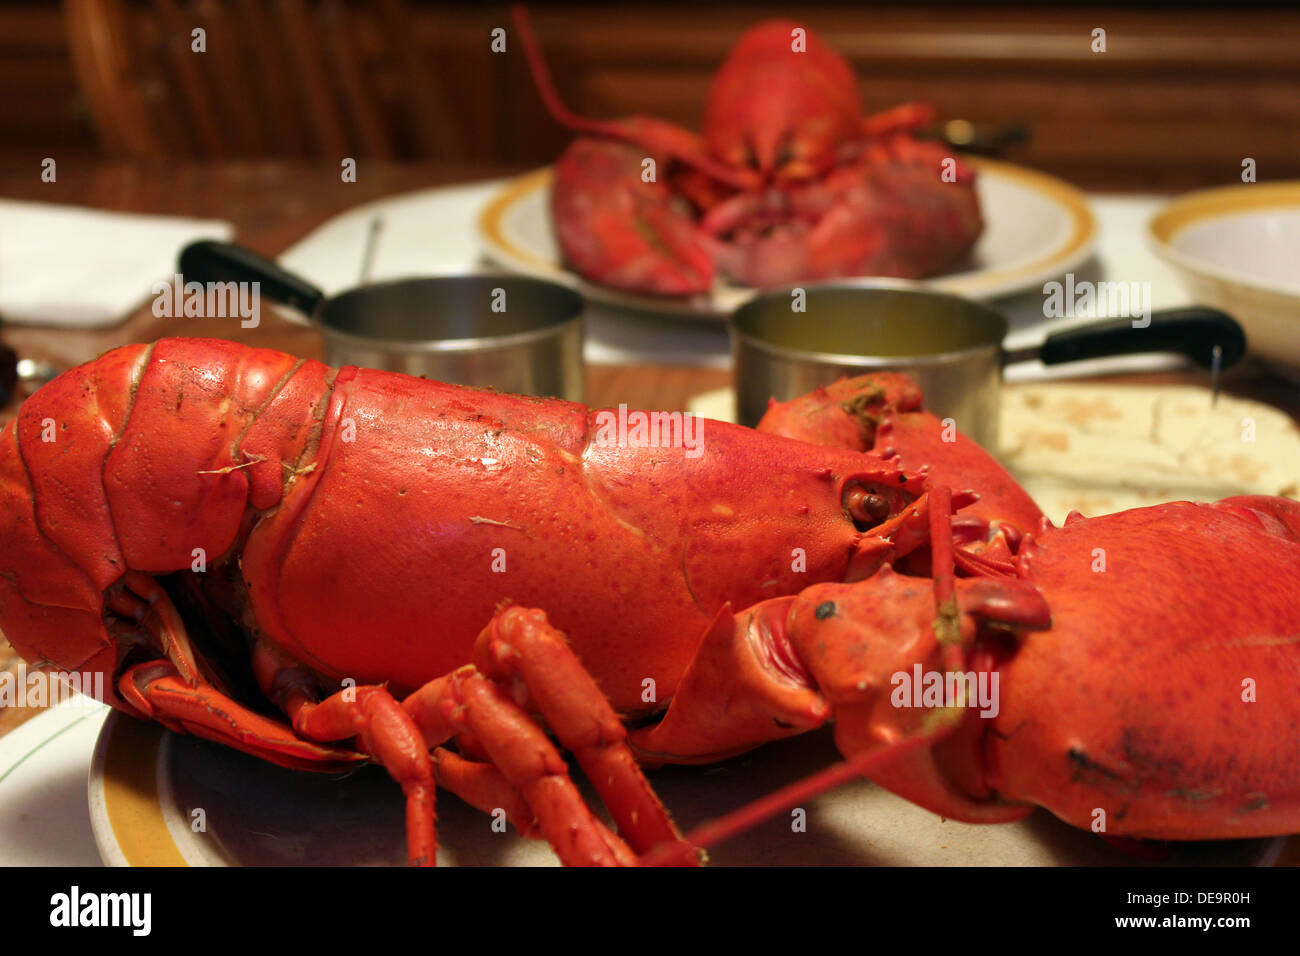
(42, 591)
(65, 432)
(172, 481)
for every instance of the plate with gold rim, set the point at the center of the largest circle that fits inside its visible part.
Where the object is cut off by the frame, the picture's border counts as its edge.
(1037, 228)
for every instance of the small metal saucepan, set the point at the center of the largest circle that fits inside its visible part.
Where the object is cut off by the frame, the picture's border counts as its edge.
(512, 333)
(951, 346)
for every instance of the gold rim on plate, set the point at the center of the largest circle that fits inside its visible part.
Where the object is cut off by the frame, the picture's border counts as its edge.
(127, 759)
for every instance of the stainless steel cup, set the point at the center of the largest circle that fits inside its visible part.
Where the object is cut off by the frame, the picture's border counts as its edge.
(446, 328)
(951, 346)
(512, 333)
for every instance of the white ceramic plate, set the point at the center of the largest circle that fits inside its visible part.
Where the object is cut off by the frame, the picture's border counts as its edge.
(44, 820)
(1238, 248)
(1036, 228)
(147, 784)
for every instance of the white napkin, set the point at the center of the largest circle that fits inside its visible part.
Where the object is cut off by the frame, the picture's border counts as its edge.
(74, 267)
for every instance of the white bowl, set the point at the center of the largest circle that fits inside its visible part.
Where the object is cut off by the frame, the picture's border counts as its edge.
(1238, 248)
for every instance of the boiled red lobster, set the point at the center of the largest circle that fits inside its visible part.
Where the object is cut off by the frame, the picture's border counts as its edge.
(788, 182)
(324, 566)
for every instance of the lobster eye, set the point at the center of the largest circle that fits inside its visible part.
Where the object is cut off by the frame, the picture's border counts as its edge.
(785, 156)
(870, 504)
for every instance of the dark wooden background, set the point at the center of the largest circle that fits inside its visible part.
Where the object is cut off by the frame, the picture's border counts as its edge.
(1181, 96)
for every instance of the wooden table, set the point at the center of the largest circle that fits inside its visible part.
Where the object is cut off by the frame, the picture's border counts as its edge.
(274, 204)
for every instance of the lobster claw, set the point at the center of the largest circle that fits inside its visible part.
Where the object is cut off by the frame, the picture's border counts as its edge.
(882, 658)
(621, 230)
(895, 672)
(871, 648)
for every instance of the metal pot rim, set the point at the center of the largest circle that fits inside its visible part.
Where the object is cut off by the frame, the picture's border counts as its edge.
(788, 353)
(492, 343)
(478, 344)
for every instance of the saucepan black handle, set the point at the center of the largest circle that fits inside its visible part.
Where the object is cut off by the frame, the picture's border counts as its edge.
(1193, 331)
(210, 261)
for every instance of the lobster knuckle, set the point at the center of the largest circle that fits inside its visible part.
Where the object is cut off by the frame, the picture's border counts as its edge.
(587, 843)
(509, 735)
(198, 500)
(1009, 601)
(512, 630)
(521, 645)
(399, 747)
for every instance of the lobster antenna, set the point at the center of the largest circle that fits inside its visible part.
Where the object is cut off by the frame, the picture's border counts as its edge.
(634, 130)
(752, 814)
(543, 79)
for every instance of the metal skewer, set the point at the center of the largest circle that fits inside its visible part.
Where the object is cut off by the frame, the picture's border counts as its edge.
(372, 240)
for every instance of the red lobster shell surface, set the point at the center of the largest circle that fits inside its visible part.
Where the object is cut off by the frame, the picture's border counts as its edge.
(321, 566)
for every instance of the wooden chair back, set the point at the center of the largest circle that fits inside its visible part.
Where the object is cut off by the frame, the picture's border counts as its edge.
(277, 78)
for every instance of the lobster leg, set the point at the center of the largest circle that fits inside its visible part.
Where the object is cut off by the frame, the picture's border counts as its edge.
(483, 786)
(526, 760)
(521, 645)
(382, 728)
(143, 600)
(463, 704)
(903, 118)
(156, 691)
(520, 649)
(172, 690)
(385, 731)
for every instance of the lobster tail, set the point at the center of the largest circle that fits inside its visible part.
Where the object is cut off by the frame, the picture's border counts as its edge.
(94, 484)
